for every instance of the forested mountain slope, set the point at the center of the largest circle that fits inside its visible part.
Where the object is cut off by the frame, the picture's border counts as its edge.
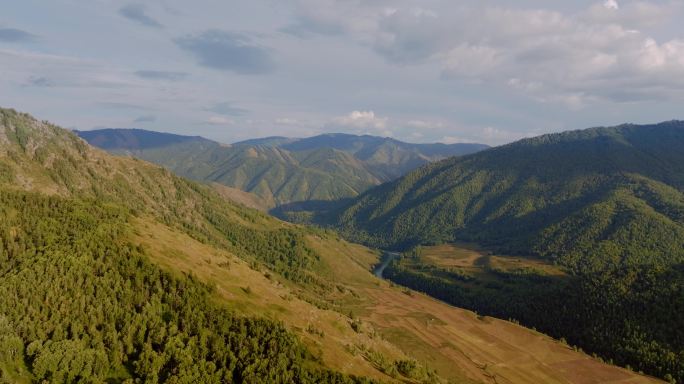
(115, 270)
(583, 198)
(280, 170)
(606, 204)
(82, 302)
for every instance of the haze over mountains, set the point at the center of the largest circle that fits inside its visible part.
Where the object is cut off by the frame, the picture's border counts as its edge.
(281, 170)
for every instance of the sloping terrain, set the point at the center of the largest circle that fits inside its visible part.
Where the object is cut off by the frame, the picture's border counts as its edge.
(607, 204)
(280, 170)
(81, 300)
(389, 323)
(583, 198)
(114, 269)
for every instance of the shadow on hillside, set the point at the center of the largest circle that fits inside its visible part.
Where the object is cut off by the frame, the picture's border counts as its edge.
(312, 211)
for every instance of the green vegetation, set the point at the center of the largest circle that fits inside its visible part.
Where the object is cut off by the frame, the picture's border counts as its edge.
(59, 162)
(409, 369)
(605, 203)
(629, 316)
(281, 171)
(585, 199)
(82, 304)
(81, 299)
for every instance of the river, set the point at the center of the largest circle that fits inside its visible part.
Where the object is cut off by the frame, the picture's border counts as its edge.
(387, 258)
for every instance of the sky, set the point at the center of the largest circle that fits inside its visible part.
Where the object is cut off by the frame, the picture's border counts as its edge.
(488, 71)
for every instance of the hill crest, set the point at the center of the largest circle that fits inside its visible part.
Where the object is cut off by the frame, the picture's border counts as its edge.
(281, 170)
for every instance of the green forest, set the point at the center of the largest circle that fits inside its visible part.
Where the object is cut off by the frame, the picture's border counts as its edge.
(279, 170)
(83, 304)
(629, 316)
(584, 199)
(607, 204)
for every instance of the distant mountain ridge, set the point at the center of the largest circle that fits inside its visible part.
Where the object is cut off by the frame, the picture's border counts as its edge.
(133, 138)
(605, 204)
(270, 141)
(281, 170)
(601, 195)
(117, 270)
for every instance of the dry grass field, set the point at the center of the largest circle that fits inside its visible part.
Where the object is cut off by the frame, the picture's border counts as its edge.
(469, 257)
(447, 255)
(459, 345)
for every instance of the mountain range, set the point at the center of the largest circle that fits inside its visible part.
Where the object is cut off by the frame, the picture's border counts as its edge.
(581, 197)
(116, 270)
(280, 170)
(593, 219)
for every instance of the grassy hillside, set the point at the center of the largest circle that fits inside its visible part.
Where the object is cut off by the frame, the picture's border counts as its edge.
(280, 170)
(115, 270)
(606, 204)
(583, 199)
(82, 304)
(629, 316)
(387, 158)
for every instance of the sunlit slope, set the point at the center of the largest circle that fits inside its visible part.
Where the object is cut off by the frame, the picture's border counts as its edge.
(461, 346)
(583, 198)
(279, 170)
(82, 300)
(134, 244)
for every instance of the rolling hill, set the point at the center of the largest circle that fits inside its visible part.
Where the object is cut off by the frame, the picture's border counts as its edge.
(115, 270)
(280, 170)
(605, 205)
(602, 195)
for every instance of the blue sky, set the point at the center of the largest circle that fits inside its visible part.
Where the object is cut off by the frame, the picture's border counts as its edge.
(420, 71)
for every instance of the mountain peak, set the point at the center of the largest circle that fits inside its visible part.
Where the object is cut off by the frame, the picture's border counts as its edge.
(282, 170)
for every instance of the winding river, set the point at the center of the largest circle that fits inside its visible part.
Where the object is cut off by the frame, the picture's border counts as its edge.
(387, 258)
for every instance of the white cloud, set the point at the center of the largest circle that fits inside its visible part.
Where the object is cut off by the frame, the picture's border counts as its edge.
(425, 125)
(634, 15)
(611, 4)
(363, 122)
(599, 53)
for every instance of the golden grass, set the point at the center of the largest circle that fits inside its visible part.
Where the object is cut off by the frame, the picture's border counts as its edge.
(457, 343)
(247, 199)
(470, 257)
(448, 255)
(266, 297)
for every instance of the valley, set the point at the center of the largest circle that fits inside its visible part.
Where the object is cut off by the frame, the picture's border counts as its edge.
(385, 260)
(342, 192)
(280, 171)
(224, 263)
(460, 345)
(591, 223)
